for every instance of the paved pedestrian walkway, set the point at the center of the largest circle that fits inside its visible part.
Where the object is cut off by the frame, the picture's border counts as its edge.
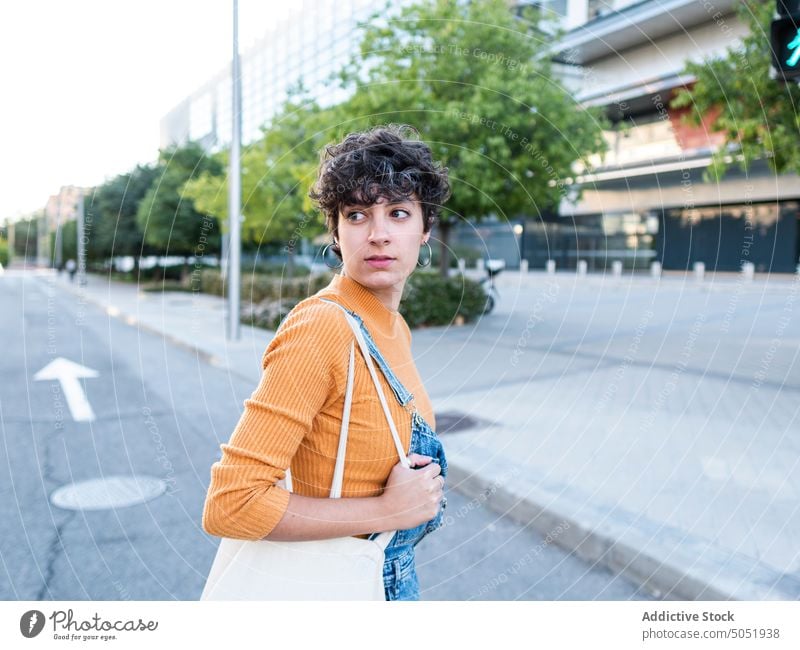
(651, 426)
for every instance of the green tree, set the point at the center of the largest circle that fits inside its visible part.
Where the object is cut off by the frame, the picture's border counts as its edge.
(758, 116)
(110, 215)
(25, 237)
(277, 170)
(167, 217)
(69, 242)
(476, 81)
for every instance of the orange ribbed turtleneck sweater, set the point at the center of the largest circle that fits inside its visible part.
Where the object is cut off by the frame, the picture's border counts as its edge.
(294, 415)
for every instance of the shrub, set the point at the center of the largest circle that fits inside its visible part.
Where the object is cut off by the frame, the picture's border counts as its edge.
(210, 281)
(276, 268)
(268, 313)
(3, 252)
(430, 299)
(174, 272)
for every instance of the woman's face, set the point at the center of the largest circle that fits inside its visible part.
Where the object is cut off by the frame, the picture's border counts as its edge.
(380, 245)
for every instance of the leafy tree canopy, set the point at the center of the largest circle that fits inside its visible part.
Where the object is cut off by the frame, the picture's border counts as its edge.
(168, 218)
(759, 116)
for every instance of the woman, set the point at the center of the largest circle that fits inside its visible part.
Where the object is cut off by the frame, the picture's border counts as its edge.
(380, 192)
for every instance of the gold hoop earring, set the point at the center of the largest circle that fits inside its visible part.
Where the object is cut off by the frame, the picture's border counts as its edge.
(325, 258)
(430, 256)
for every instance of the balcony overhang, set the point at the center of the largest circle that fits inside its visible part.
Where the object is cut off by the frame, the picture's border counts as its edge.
(634, 25)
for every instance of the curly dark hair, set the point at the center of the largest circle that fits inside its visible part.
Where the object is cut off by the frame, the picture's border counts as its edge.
(382, 162)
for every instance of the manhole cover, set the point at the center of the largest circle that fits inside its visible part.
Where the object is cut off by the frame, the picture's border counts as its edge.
(107, 493)
(453, 422)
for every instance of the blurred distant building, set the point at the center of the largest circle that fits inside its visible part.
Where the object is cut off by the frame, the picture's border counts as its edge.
(60, 209)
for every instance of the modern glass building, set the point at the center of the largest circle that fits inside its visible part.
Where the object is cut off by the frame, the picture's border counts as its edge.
(311, 43)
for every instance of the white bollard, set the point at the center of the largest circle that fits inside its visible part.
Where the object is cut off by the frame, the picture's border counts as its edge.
(582, 267)
(655, 269)
(479, 264)
(462, 266)
(523, 266)
(616, 269)
(551, 267)
(748, 271)
(699, 270)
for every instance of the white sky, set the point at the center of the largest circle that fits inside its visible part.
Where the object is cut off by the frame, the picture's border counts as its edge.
(86, 82)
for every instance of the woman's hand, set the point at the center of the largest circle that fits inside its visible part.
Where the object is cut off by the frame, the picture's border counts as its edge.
(413, 496)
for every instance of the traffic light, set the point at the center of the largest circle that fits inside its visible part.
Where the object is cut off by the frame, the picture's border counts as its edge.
(785, 39)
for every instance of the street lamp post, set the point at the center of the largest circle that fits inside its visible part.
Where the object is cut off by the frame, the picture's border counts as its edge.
(235, 191)
(10, 233)
(81, 248)
(57, 250)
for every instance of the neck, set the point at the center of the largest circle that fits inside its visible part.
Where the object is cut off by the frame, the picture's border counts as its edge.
(389, 297)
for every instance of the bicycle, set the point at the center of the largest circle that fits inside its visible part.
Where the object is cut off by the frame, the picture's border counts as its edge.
(493, 269)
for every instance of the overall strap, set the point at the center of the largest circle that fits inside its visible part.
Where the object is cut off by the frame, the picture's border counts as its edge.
(404, 398)
(356, 327)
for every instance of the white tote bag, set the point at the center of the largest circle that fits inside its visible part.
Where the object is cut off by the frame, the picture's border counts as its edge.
(344, 568)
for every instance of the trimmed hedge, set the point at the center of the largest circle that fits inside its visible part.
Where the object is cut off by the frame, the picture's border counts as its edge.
(257, 287)
(430, 299)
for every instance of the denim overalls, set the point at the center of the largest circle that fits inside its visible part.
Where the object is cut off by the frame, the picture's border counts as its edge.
(399, 570)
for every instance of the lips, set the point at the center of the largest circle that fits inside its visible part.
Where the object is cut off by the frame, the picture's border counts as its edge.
(379, 261)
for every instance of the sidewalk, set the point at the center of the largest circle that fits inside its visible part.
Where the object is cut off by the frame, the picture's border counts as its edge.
(684, 476)
(195, 321)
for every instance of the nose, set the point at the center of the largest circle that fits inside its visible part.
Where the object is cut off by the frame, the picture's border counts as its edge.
(378, 233)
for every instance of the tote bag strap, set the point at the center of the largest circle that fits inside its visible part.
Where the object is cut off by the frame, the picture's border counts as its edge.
(338, 470)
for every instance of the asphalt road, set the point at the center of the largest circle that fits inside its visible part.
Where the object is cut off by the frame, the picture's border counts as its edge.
(160, 411)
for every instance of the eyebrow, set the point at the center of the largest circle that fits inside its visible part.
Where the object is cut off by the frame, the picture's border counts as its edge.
(349, 206)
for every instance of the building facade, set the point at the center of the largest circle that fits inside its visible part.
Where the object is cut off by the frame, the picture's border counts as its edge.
(646, 199)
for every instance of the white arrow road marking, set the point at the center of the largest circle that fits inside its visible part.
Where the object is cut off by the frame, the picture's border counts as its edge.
(68, 372)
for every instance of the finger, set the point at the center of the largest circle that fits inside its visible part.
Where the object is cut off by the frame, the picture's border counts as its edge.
(433, 469)
(418, 460)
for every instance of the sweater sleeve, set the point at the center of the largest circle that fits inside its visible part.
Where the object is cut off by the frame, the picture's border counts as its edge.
(298, 378)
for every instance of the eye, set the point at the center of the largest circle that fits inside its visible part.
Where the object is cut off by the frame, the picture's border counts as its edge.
(401, 214)
(354, 216)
